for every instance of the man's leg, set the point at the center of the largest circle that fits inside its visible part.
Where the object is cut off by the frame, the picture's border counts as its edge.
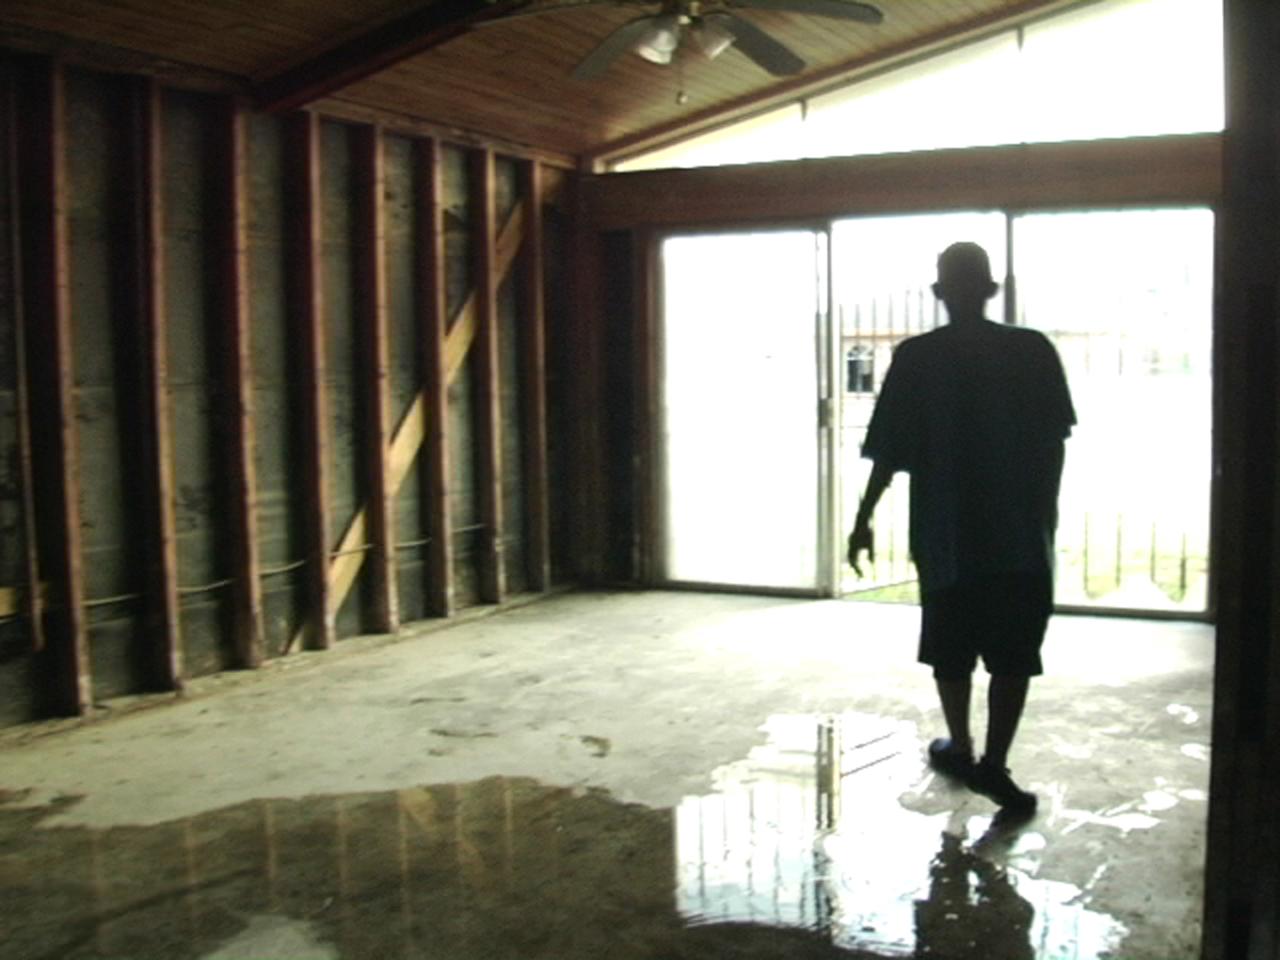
(1006, 697)
(1013, 622)
(955, 696)
(954, 755)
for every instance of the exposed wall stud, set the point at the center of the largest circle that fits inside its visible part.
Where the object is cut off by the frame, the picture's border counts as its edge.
(643, 344)
(308, 309)
(55, 442)
(534, 365)
(161, 583)
(377, 377)
(32, 602)
(233, 221)
(433, 320)
(488, 409)
(1241, 912)
(586, 519)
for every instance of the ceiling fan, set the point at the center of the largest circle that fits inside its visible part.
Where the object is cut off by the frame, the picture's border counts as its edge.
(710, 27)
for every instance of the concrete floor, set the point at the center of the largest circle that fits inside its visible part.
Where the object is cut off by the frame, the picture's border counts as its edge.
(626, 775)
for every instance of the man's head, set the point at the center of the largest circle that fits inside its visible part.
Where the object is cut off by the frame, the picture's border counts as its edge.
(964, 280)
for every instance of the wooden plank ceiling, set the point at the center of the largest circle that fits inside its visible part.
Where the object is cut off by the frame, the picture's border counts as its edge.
(508, 79)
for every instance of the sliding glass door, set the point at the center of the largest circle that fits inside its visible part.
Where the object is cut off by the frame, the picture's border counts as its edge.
(1126, 297)
(766, 396)
(741, 360)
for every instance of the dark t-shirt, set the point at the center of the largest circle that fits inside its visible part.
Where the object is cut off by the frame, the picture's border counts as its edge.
(976, 412)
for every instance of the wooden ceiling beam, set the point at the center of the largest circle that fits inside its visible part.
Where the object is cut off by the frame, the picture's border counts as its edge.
(376, 50)
(1177, 169)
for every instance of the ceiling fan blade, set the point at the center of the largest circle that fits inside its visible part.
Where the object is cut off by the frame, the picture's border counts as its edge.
(839, 9)
(612, 47)
(767, 52)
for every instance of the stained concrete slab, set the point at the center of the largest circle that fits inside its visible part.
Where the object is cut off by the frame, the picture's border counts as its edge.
(630, 774)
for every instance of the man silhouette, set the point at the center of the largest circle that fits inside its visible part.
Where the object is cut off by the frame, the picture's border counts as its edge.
(976, 412)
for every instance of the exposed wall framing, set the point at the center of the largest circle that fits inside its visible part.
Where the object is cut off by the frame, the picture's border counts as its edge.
(465, 524)
(1242, 875)
(308, 307)
(646, 402)
(533, 370)
(266, 351)
(586, 521)
(512, 397)
(156, 436)
(408, 502)
(113, 371)
(433, 324)
(280, 421)
(492, 562)
(372, 315)
(203, 389)
(232, 221)
(21, 613)
(66, 684)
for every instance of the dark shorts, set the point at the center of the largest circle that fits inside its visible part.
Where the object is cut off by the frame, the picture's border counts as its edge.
(1000, 618)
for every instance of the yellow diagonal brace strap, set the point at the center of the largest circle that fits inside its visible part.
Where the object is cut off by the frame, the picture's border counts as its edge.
(410, 432)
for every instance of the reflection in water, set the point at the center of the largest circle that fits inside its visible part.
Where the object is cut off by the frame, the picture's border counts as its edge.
(971, 901)
(827, 842)
(834, 825)
(499, 868)
(496, 868)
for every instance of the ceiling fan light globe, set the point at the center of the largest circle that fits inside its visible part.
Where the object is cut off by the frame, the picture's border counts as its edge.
(654, 54)
(711, 38)
(659, 42)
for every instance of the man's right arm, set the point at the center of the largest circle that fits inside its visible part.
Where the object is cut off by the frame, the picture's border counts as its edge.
(887, 441)
(862, 538)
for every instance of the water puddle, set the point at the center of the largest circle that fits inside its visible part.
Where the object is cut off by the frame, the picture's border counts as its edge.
(834, 825)
(829, 841)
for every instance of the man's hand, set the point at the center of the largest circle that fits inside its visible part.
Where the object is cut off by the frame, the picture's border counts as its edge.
(861, 539)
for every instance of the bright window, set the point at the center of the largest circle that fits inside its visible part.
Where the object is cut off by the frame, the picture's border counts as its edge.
(959, 99)
(1121, 68)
